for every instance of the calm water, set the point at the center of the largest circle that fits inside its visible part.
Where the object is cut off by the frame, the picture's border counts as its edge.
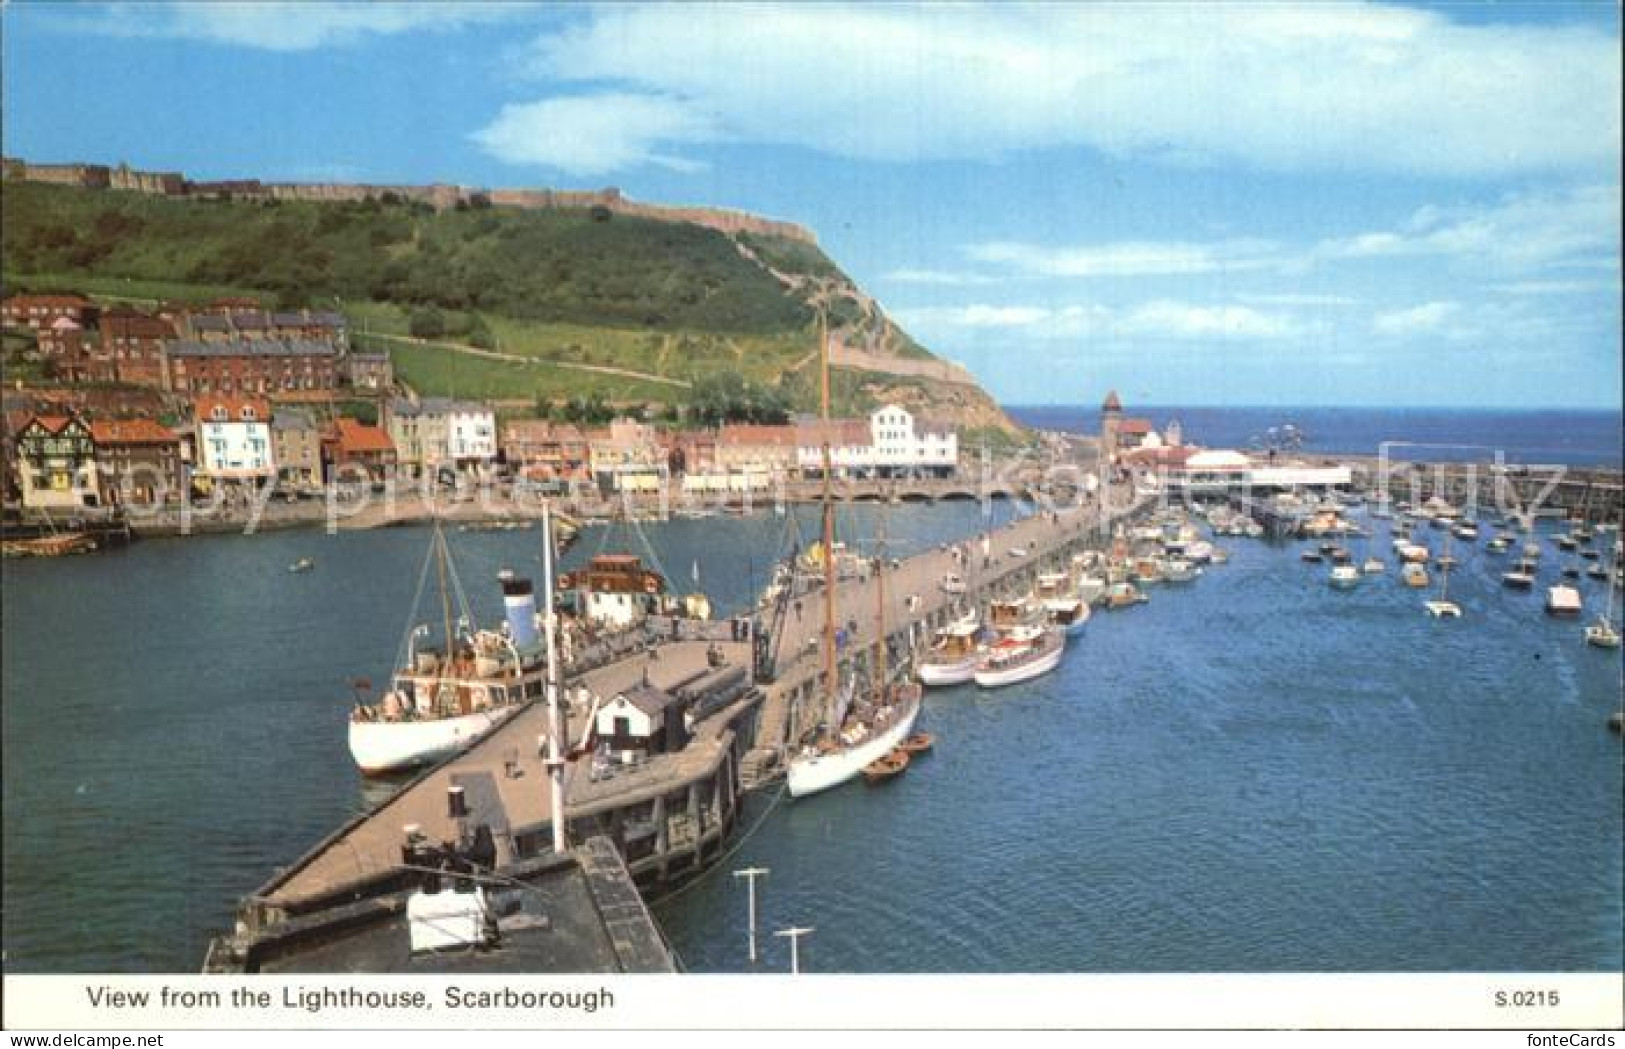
(1572, 438)
(1252, 772)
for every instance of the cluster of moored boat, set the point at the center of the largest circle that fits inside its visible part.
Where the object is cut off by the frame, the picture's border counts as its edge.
(1416, 556)
(1025, 637)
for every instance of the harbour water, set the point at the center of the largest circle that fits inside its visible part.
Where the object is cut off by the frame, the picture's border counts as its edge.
(1566, 437)
(1252, 772)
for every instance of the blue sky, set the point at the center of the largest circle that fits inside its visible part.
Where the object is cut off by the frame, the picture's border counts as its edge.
(1361, 204)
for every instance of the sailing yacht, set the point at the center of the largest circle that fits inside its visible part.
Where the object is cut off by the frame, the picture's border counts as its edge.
(853, 736)
(1603, 633)
(1444, 608)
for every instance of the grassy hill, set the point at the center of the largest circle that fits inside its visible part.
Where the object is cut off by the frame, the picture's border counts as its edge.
(510, 304)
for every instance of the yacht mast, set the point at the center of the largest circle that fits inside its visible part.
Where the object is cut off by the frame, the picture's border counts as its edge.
(831, 683)
(880, 615)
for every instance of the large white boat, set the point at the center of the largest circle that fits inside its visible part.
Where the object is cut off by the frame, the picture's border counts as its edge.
(954, 656)
(1562, 600)
(863, 741)
(856, 732)
(442, 700)
(1021, 655)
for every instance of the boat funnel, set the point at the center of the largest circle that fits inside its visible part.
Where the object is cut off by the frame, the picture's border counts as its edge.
(519, 601)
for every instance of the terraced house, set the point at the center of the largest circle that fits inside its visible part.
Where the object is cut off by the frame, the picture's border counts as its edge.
(233, 440)
(252, 366)
(442, 437)
(139, 461)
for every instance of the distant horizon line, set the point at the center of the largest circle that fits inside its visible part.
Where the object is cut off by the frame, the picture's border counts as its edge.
(1092, 407)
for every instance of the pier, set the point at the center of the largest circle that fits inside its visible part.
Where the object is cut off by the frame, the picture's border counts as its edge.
(660, 818)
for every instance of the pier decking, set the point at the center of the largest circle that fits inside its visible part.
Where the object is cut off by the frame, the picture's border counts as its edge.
(504, 782)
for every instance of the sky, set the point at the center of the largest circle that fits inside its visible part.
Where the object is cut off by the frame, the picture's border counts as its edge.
(1237, 203)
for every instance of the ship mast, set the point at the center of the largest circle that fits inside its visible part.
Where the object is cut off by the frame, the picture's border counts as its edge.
(831, 683)
(445, 594)
(555, 726)
(880, 613)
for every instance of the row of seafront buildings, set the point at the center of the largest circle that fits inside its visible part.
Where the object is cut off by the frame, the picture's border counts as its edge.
(60, 458)
(188, 401)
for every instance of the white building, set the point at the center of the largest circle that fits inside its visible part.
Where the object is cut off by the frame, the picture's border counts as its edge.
(438, 434)
(903, 444)
(471, 434)
(233, 438)
(851, 453)
(893, 443)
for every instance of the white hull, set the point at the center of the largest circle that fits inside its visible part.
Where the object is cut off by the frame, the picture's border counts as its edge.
(388, 746)
(1014, 675)
(809, 775)
(935, 675)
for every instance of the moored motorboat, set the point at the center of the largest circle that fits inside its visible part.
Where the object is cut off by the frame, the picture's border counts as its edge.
(1023, 654)
(1415, 575)
(1124, 595)
(304, 564)
(1069, 613)
(1521, 577)
(954, 656)
(1562, 600)
(1345, 576)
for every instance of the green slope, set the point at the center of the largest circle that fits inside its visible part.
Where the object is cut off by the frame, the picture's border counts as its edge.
(568, 290)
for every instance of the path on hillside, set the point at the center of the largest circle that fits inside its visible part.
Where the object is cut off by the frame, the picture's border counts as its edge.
(517, 358)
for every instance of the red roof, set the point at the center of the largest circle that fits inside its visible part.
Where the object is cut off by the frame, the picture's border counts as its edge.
(748, 434)
(357, 438)
(49, 299)
(203, 408)
(1134, 426)
(131, 431)
(131, 323)
(53, 423)
(841, 433)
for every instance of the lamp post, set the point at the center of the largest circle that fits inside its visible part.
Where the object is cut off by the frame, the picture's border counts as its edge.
(750, 874)
(795, 935)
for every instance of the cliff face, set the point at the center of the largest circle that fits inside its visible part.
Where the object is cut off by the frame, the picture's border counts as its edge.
(586, 281)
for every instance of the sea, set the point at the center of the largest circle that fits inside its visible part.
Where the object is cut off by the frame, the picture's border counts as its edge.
(1530, 437)
(1251, 772)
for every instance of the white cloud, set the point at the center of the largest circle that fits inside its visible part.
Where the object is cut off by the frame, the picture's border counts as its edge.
(592, 136)
(1295, 298)
(275, 26)
(1179, 320)
(1429, 317)
(1160, 319)
(1557, 287)
(1275, 87)
(1129, 259)
(1522, 231)
(944, 278)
